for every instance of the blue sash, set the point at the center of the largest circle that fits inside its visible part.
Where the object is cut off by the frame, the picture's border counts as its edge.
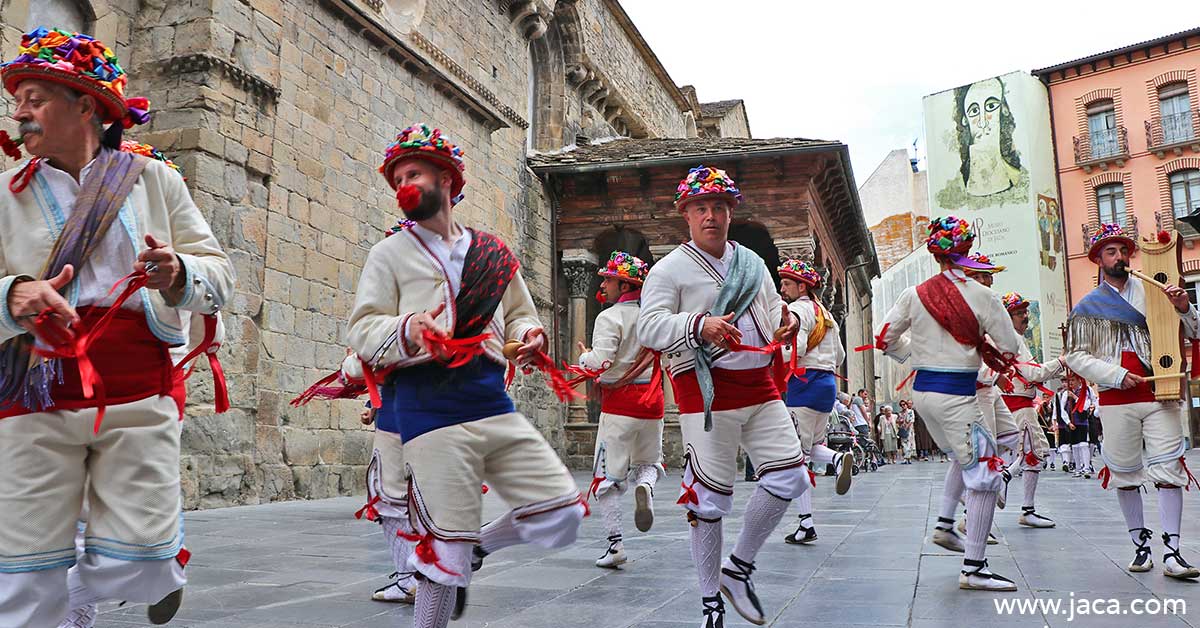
(818, 393)
(422, 398)
(946, 383)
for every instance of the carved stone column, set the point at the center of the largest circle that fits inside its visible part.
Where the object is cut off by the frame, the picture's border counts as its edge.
(579, 267)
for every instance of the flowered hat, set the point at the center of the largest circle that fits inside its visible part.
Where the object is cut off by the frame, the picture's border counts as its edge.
(80, 62)
(976, 263)
(949, 236)
(625, 267)
(146, 150)
(703, 180)
(1014, 302)
(800, 271)
(422, 141)
(1108, 233)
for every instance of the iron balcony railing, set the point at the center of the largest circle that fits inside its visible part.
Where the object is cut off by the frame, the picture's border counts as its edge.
(1101, 145)
(1178, 128)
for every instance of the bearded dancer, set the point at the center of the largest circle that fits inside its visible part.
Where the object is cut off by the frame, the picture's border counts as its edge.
(1023, 387)
(629, 438)
(89, 386)
(711, 307)
(949, 315)
(812, 387)
(1108, 343)
(434, 304)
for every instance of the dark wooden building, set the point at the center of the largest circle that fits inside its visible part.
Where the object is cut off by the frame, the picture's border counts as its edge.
(800, 201)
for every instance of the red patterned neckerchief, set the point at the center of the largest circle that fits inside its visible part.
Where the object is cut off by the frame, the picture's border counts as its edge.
(947, 306)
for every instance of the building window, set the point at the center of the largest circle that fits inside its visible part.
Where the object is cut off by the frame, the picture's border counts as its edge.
(1102, 129)
(1175, 111)
(69, 15)
(1110, 201)
(1185, 192)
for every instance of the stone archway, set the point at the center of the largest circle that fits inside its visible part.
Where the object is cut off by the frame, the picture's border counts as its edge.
(756, 237)
(547, 91)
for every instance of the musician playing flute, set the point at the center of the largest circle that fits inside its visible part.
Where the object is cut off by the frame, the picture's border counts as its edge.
(1108, 342)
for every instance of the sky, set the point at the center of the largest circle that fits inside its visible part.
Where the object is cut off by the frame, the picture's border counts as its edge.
(856, 71)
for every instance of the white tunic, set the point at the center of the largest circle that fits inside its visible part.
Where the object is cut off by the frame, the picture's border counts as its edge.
(615, 345)
(829, 353)
(678, 294)
(931, 347)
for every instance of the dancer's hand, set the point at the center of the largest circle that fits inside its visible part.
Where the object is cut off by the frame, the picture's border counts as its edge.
(789, 325)
(419, 323)
(535, 339)
(583, 348)
(161, 265)
(1131, 381)
(717, 330)
(368, 416)
(27, 299)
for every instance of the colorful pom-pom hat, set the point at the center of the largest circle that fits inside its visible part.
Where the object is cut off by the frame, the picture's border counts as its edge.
(626, 267)
(703, 181)
(81, 63)
(146, 150)
(800, 271)
(421, 141)
(1014, 302)
(950, 236)
(1107, 234)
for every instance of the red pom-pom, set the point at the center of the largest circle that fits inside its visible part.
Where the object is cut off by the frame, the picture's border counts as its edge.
(1163, 237)
(600, 298)
(409, 196)
(9, 145)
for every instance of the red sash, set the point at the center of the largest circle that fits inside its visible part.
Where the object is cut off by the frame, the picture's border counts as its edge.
(732, 389)
(131, 361)
(1016, 402)
(1137, 394)
(947, 306)
(627, 401)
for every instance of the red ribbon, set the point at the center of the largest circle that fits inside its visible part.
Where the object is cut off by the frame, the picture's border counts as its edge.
(582, 374)
(1104, 476)
(812, 477)
(368, 510)
(453, 352)
(879, 343)
(21, 180)
(734, 345)
(209, 347)
(483, 489)
(1191, 479)
(690, 496)
(1081, 399)
(183, 557)
(10, 146)
(656, 380)
(1031, 459)
(425, 550)
(1195, 360)
(372, 386)
(594, 489)
(995, 463)
(557, 381)
(907, 378)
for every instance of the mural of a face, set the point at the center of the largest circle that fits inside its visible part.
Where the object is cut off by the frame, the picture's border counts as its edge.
(990, 164)
(982, 115)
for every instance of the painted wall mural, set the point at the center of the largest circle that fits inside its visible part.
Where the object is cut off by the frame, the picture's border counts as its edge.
(991, 161)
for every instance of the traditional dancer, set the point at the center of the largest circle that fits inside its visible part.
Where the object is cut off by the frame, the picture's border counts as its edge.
(1090, 424)
(711, 307)
(89, 386)
(629, 438)
(812, 387)
(949, 315)
(1108, 343)
(1024, 386)
(387, 489)
(434, 304)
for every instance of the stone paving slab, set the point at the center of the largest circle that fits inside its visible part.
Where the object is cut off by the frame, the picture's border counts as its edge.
(311, 564)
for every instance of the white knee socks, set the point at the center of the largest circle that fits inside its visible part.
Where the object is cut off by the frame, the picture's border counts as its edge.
(401, 549)
(435, 603)
(763, 513)
(1131, 507)
(981, 507)
(706, 553)
(1170, 508)
(609, 503)
(1030, 481)
(952, 491)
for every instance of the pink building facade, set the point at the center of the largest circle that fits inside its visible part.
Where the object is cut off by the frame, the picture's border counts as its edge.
(1126, 127)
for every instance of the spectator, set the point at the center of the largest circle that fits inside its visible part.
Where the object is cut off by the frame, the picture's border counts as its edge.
(905, 432)
(861, 424)
(888, 434)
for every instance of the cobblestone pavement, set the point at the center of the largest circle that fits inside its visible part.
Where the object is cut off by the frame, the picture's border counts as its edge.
(304, 564)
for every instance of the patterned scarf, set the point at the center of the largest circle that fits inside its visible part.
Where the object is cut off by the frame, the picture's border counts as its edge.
(487, 271)
(737, 293)
(947, 306)
(1103, 321)
(24, 378)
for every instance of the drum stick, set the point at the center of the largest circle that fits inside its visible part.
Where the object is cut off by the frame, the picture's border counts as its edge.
(1147, 278)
